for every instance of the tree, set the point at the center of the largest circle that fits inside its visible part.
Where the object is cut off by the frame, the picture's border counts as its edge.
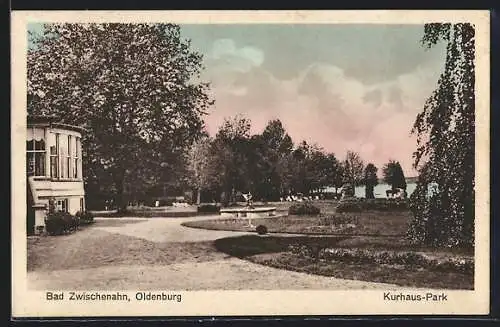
(269, 163)
(445, 154)
(199, 166)
(304, 167)
(353, 168)
(394, 175)
(230, 151)
(370, 180)
(135, 89)
(276, 138)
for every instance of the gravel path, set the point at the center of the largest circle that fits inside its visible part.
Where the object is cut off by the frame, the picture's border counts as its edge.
(229, 274)
(169, 230)
(220, 273)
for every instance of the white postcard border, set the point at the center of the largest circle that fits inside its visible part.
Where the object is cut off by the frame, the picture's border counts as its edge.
(230, 303)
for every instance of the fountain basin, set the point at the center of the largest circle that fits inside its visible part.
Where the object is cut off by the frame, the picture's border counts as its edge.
(260, 212)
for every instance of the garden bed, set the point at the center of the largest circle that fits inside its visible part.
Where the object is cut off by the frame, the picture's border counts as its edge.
(366, 223)
(388, 260)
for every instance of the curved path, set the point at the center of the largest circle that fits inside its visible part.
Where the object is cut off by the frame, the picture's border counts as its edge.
(216, 271)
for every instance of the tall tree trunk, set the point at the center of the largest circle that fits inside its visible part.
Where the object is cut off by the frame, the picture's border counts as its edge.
(369, 192)
(120, 198)
(198, 196)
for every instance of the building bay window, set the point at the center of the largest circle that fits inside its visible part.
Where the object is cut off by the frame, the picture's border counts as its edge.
(65, 157)
(35, 152)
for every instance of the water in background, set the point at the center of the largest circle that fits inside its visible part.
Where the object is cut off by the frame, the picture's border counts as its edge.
(378, 190)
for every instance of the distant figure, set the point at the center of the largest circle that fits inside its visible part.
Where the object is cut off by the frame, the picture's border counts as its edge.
(397, 193)
(248, 198)
(347, 191)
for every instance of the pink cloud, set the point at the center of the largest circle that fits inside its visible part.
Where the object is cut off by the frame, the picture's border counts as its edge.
(322, 105)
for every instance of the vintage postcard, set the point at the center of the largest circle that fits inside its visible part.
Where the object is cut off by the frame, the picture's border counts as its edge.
(234, 163)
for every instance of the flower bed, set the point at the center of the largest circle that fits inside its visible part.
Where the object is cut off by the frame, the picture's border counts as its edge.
(411, 259)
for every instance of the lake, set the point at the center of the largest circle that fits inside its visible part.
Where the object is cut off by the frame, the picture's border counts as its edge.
(378, 190)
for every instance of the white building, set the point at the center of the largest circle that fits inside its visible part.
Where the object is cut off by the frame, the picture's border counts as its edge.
(54, 169)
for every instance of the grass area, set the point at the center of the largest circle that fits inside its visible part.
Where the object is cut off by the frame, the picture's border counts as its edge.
(93, 248)
(276, 252)
(150, 212)
(367, 246)
(372, 234)
(366, 223)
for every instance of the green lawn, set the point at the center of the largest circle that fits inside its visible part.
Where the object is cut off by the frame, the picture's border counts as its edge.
(366, 223)
(370, 235)
(275, 251)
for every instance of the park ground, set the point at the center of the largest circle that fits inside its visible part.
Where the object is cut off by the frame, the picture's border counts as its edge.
(165, 253)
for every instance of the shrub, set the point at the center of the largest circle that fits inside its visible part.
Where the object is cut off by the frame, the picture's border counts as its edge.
(59, 222)
(208, 208)
(341, 221)
(405, 258)
(261, 230)
(85, 217)
(303, 209)
(361, 204)
(350, 205)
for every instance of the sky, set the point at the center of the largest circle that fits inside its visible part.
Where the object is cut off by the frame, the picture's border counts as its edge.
(342, 87)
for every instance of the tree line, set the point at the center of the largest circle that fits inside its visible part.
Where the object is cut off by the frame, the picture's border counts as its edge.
(270, 166)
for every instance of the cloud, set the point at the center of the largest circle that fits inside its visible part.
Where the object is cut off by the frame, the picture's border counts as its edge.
(374, 97)
(321, 103)
(240, 59)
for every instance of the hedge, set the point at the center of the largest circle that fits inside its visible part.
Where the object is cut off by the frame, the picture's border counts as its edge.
(60, 222)
(303, 209)
(208, 208)
(85, 217)
(362, 204)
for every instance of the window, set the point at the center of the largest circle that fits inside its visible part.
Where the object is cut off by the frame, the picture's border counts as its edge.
(82, 207)
(75, 158)
(78, 158)
(54, 159)
(63, 148)
(62, 205)
(35, 152)
(68, 158)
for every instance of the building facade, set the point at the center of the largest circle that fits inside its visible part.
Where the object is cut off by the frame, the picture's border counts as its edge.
(53, 169)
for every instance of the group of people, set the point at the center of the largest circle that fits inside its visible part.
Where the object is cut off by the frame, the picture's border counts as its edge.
(290, 198)
(397, 193)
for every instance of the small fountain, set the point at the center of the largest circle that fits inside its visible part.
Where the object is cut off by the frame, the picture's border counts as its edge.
(249, 211)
